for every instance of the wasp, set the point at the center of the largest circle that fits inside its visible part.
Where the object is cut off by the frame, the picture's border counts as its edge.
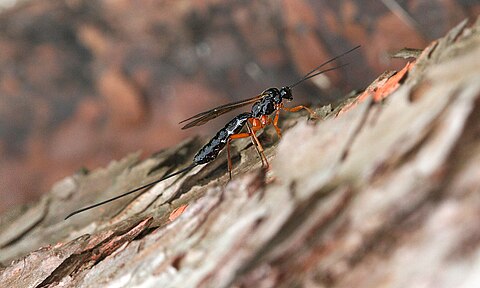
(266, 105)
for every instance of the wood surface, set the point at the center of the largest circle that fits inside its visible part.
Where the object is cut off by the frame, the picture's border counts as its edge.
(383, 191)
(83, 82)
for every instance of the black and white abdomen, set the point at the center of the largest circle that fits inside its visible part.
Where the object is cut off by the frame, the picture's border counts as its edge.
(210, 151)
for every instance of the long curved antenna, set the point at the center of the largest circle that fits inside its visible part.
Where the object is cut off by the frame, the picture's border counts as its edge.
(307, 76)
(131, 191)
(318, 73)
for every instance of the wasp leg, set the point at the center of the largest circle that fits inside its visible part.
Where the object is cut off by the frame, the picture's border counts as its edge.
(257, 125)
(258, 145)
(234, 136)
(313, 115)
(275, 124)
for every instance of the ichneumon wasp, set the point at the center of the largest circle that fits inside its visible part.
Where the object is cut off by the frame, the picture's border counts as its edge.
(268, 103)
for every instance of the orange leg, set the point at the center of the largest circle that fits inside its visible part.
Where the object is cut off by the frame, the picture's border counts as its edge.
(258, 146)
(267, 121)
(229, 159)
(256, 125)
(300, 107)
(275, 123)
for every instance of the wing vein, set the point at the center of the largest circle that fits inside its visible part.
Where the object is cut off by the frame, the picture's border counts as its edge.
(204, 117)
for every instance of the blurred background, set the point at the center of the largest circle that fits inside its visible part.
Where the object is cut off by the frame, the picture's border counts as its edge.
(85, 82)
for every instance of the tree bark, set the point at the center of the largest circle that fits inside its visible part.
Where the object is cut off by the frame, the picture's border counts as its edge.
(383, 191)
(119, 75)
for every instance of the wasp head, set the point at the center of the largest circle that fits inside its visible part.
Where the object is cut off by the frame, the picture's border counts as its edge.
(286, 93)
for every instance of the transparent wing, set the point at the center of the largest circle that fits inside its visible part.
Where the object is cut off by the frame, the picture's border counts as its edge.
(204, 117)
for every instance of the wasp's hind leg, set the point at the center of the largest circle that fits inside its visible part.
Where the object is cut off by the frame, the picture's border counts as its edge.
(229, 158)
(258, 145)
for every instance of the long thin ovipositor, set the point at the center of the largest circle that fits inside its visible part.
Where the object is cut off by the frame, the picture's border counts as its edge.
(132, 191)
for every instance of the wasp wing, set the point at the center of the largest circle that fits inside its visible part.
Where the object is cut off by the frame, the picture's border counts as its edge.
(204, 117)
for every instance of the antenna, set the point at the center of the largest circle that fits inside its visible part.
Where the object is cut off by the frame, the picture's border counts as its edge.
(318, 73)
(309, 74)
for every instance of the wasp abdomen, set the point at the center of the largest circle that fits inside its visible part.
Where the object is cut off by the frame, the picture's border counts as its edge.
(210, 151)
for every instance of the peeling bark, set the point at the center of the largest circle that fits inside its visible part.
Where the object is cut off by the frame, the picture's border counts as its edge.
(384, 191)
